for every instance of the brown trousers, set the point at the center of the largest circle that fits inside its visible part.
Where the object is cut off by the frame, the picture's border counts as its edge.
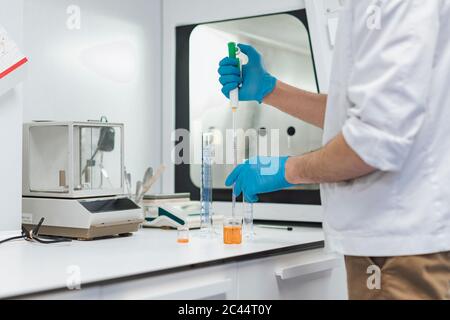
(425, 277)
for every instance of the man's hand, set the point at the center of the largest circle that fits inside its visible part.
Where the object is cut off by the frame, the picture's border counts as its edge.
(259, 175)
(256, 82)
(336, 162)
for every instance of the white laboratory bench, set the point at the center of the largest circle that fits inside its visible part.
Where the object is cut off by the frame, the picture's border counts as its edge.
(277, 264)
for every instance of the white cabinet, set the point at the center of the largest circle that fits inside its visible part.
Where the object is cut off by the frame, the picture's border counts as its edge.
(92, 293)
(303, 275)
(218, 282)
(308, 275)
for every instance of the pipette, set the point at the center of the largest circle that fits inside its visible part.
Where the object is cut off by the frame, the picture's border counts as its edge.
(234, 104)
(233, 52)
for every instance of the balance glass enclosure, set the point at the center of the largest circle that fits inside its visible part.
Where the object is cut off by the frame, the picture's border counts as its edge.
(284, 41)
(73, 160)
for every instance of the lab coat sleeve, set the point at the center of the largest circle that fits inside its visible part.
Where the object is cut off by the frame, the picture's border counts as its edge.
(393, 46)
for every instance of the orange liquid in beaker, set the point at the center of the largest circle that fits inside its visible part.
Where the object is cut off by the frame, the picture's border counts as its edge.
(183, 241)
(232, 234)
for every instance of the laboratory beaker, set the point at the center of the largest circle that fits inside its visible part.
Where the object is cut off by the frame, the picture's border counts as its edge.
(232, 231)
(183, 234)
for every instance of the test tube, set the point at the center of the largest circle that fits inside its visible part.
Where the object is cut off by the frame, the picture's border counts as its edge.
(249, 232)
(207, 187)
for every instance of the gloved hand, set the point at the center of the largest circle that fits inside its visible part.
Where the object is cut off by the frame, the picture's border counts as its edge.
(259, 175)
(256, 82)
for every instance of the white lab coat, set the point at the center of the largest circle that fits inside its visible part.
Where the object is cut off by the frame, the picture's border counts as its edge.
(390, 96)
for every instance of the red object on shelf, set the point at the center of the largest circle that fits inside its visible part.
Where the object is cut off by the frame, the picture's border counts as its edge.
(11, 59)
(13, 67)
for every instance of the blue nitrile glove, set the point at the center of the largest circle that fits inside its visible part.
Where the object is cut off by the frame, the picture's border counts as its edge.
(256, 82)
(259, 175)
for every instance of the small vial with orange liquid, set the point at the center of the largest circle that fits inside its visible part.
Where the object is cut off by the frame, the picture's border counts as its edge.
(232, 231)
(183, 235)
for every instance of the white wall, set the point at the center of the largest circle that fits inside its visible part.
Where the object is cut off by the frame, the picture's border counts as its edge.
(11, 130)
(110, 67)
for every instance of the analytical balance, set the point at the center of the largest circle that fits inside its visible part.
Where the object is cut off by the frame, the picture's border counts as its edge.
(73, 177)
